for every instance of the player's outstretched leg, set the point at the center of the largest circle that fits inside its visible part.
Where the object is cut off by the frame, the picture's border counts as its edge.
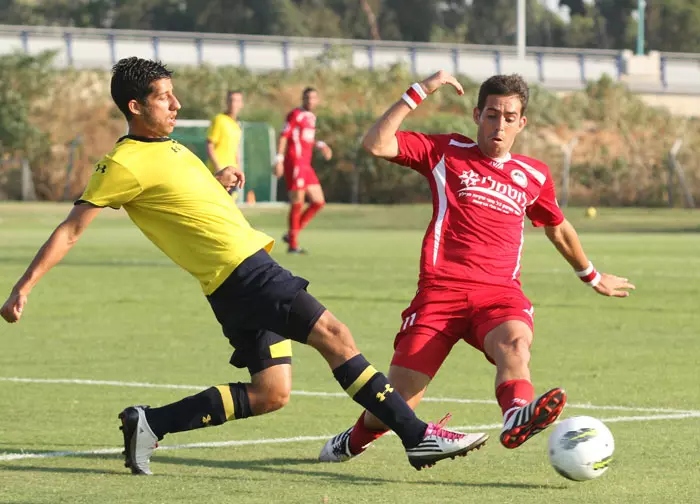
(425, 444)
(411, 385)
(520, 424)
(508, 345)
(143, 426)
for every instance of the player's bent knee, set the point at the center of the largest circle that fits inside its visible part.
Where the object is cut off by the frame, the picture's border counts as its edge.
(509, 342)
(267, 399)
(276, 400)
(512, 349)
(332, 338)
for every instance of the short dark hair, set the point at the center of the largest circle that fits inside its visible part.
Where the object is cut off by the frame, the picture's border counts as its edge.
(132, 79)
(504, 85)
(232, 92)
(308, 90)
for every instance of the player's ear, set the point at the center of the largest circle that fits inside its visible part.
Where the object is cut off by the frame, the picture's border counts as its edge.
(476, 115)
(523, 122)
(135, 107)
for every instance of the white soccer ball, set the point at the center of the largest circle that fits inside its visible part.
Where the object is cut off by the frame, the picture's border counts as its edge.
(581, 448)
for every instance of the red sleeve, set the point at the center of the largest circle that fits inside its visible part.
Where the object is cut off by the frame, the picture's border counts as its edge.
(416, 150)
(289, 124)
(545, 210)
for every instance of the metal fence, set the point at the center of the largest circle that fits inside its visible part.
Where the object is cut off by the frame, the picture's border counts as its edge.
(555, 68)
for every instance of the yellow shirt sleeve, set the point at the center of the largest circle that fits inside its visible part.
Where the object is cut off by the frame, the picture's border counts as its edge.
(214, 131)
(111, 185)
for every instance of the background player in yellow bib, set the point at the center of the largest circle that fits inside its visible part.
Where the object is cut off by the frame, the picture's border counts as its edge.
(224, 135)
(171, 196)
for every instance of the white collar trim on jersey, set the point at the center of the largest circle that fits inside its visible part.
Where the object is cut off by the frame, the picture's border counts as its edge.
(502, 160)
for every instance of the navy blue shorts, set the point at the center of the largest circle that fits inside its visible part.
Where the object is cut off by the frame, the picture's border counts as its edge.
(261, 307)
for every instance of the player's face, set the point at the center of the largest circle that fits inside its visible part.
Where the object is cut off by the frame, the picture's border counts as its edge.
(311, 100)
(235, 103)
(499, 123)
(157, 115)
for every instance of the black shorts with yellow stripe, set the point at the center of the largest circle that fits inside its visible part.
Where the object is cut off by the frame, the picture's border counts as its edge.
(262, 307)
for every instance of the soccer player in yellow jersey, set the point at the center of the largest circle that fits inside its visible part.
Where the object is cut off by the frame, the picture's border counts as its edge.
(224, 135)
(173, 199)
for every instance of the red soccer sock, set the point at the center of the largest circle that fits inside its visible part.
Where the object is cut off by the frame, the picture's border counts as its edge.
(310, 213)
(361, 436)
(294, 223)
(514, 394)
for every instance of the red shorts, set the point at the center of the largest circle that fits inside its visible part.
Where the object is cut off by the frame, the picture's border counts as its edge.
(299, 176)
(439, 318)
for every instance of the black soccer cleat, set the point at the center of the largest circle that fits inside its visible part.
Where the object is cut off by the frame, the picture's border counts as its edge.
(139, 440)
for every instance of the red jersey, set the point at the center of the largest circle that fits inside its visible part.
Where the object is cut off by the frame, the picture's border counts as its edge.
(479, 205)
(300, 132)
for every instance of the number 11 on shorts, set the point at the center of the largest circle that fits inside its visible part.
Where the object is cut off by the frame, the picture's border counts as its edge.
(408, 321)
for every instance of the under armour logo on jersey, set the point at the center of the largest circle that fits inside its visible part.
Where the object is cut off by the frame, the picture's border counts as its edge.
(175, 148)
(530, 311)
(381, 396)
(101, 168)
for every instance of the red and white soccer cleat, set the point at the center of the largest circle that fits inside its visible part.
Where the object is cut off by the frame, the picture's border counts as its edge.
(522, 423)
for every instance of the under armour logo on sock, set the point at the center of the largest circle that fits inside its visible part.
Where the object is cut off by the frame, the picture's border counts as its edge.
(382, 395)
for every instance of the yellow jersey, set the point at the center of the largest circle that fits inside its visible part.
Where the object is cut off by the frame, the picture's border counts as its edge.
(173, 199)
(225, 133)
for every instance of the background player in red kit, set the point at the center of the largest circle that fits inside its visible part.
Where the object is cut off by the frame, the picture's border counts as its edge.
(469, 284)
(295, 150)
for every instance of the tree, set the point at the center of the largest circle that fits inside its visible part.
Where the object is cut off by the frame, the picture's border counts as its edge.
(415, 18)
(617, 27)
(672, 25)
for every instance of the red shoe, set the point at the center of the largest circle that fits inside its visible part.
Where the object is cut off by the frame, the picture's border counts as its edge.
(525, 422)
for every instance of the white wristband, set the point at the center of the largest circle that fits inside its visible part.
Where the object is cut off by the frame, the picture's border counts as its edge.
(321, 144)
(279, 158)
(414, 95)
(589, 276)
(586, 271)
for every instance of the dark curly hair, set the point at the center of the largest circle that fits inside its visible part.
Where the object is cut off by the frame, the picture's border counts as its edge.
(504, 85)
(132, 79)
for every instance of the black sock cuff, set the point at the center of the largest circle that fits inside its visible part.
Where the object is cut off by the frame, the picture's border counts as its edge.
(354, 369)
(241, 401)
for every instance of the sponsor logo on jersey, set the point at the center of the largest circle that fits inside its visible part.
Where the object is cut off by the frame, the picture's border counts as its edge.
(484, 190)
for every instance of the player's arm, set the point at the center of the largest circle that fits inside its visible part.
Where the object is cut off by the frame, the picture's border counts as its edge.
(212, 155)
(50, 254)
(213, 138)
(282, 143)
(566, 240)
(380, 140)
(279, 159)
(325, 150)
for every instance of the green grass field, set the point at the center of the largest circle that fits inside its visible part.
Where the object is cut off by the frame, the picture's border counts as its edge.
(118, 311)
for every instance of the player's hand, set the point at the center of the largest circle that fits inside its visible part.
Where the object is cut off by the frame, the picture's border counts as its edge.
(230, 177)
(327, 152)
(11, 311)
(439, 79)
(614, 286)
(279, 169)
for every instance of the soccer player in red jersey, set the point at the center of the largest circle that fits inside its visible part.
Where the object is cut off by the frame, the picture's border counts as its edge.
(295, 150)
(469, 286)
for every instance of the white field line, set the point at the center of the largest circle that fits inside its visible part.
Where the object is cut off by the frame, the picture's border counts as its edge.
(299, 439)
(109, 383)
